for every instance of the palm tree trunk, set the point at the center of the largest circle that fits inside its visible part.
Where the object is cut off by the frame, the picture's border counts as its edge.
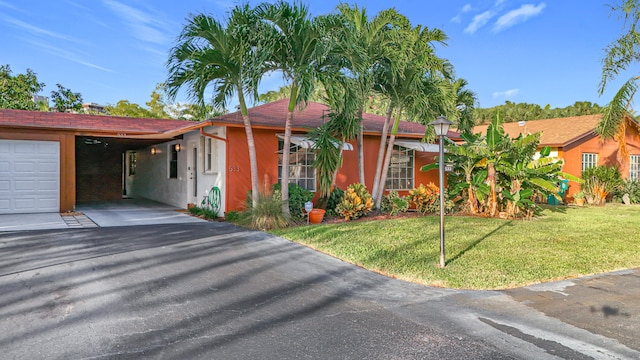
(360, 145)
(285, 152)
(387, 161)
(383, 139)
(253, 162)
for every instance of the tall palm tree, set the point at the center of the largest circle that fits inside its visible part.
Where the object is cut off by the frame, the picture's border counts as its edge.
(408, 87)
(298, 52)
(367, 45)
(621, 54)
(228, 58)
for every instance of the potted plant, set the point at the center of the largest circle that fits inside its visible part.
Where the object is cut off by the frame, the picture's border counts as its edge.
(578, 198)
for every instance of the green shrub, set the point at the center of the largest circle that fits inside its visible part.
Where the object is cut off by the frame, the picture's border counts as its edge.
(355, 202)
(631, 187)
(205, 213)
(232, 216)
(266, 215)
(297, 197)
(335, 198)
(425, 198)
(599, 182)
(393, 203)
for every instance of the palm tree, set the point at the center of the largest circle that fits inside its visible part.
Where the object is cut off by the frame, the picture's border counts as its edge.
(228, 58)
(298, 51)
(407, 88)
(621, 54)
(367, 45)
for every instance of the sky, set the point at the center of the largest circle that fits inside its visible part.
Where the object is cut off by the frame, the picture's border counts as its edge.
(538, 52)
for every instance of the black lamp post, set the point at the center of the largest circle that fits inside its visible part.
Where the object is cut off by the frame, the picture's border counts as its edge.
(441, 127)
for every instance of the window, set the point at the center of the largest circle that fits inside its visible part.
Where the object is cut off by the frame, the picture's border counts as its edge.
(400, 175)
(634, 167)
(208, 143)
(132, 163)
(589, 160)
(301, 169)
(173, 162)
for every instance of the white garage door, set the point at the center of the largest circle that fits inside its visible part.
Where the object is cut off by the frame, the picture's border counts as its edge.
(29, 176)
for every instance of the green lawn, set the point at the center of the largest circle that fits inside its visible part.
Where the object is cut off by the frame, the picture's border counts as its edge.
(486, 253)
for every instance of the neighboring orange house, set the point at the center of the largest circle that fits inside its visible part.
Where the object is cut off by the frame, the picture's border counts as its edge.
(51, 161)
(573, 139)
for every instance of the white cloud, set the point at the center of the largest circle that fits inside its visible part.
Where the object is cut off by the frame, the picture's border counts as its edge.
(458, 18)
(516, 16)
(225, 4)
(67, 55)
(35, 30)
(479, 21)
(506, 94)
(146, 27)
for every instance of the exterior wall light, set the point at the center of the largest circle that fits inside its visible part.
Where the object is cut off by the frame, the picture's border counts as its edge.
(154, 150)
(177, 147)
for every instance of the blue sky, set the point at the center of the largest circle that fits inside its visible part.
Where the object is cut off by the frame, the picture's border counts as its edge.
(540, 52)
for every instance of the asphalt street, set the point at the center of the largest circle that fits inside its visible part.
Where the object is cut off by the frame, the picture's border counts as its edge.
(216, 291)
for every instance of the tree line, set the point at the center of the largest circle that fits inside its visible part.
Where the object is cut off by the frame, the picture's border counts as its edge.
(21, 92)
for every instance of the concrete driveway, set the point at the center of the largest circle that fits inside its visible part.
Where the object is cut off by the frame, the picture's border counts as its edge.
(215, 291)
(126, 212)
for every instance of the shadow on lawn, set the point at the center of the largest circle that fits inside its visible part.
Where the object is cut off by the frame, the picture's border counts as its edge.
(478, 241)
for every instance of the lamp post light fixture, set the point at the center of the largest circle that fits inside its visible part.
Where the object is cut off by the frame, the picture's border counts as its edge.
(441, 127)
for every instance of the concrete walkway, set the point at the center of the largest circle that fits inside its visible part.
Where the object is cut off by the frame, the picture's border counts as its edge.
(127, 212)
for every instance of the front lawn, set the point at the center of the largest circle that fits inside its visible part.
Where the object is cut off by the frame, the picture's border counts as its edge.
(486, 253)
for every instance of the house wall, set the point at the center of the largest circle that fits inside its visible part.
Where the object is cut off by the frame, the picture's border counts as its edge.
(239, 176)
(607, 155)
(151, 180)
(67, 159)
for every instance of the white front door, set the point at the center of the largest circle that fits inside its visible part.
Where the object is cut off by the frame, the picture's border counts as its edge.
(29, 176)
(193, 171)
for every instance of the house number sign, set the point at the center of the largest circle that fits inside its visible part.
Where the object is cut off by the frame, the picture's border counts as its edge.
(234, 168)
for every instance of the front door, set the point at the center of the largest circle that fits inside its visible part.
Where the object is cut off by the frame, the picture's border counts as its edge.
(193, 173)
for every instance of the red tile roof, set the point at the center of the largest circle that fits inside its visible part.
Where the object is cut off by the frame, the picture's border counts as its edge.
(555, 132)
(108, 125)
(273, 115)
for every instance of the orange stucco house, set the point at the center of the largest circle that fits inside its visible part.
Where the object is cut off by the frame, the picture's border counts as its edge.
(268, 127)
(50, 161)
(573, 139)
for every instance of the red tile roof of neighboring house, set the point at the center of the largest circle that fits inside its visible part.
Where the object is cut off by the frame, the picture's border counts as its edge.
(273, 115)
(555, 132)
(105, 125)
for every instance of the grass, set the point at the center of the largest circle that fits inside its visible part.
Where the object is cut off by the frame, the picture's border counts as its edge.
(484, 253)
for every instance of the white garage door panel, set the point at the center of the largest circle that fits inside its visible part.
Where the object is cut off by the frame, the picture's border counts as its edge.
(29, 176)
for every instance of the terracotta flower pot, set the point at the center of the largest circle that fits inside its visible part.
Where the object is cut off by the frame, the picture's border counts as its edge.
(316, 216)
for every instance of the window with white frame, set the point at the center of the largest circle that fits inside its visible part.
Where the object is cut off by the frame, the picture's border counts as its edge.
(209, 154)
(589, 160)
(301, 171)
(634, 167)
(400, 174)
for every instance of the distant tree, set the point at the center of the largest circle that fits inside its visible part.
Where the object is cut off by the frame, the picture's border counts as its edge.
(127, 109)
(511, 112)
(64, 99)
(17, 92)
(157, 104)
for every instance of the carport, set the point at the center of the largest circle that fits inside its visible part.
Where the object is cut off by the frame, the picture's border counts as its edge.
(50, 162)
